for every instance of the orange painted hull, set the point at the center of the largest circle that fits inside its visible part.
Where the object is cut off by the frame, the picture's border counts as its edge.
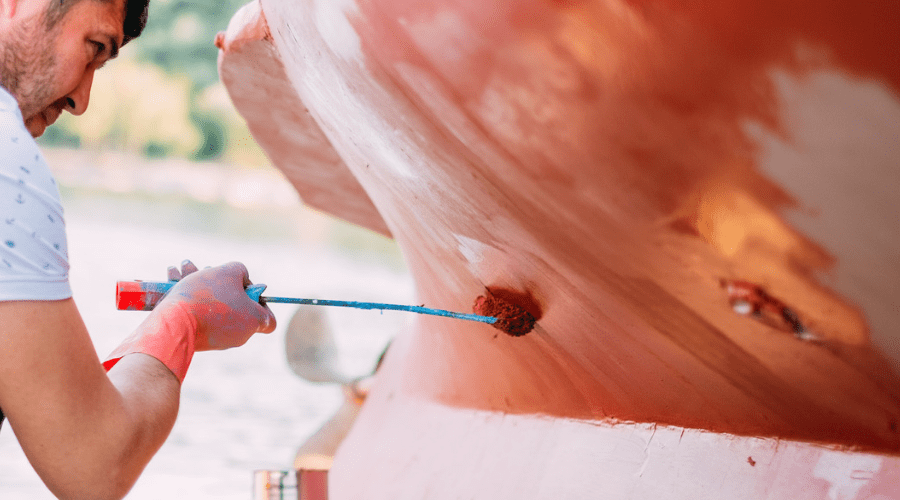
(697, 202)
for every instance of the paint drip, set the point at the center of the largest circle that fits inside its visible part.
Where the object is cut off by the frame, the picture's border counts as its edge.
(511, 319)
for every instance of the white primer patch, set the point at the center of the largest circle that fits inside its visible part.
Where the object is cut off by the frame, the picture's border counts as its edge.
(335, 28)
(846, 473)
(472, 250)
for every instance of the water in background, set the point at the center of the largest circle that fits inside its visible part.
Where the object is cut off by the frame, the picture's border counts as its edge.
(241, 409)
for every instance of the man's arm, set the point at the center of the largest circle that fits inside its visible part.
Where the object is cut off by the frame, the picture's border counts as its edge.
(88, 435)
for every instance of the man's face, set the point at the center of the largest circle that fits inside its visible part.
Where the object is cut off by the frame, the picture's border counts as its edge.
(49, 71)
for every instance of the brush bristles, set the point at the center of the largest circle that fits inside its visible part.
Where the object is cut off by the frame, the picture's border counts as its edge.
(511, 319)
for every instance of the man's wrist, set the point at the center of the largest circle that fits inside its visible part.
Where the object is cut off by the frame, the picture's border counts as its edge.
(168, 334)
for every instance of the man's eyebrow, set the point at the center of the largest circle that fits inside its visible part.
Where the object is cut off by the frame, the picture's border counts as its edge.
(112, 43)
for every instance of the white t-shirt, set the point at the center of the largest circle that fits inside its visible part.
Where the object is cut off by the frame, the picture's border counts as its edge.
(34, 259)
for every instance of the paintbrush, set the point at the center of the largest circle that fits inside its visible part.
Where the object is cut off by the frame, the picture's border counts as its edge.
(510, 319)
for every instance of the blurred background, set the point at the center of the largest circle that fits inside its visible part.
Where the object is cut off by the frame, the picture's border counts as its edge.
(162, 96)
(160, 169)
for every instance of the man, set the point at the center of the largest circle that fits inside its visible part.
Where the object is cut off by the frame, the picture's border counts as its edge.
(88, 432)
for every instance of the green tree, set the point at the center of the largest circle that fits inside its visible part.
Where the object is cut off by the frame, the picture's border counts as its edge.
(179, 39)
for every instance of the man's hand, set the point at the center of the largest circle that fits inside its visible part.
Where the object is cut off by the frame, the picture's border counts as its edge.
(225, 316)
(206, 310)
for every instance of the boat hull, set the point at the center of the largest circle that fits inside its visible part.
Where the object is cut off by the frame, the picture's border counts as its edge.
(664, 186)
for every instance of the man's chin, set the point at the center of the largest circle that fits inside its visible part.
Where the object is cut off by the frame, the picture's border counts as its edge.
(36, 125)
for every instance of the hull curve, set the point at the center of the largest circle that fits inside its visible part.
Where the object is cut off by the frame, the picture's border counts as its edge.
(698, 202)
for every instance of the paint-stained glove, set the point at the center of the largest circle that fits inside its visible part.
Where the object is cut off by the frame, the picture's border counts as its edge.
(206, 310)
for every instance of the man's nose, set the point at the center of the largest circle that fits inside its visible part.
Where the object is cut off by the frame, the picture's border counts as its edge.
(77, 101)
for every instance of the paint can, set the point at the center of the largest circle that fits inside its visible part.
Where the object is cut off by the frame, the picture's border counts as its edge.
(274, 485)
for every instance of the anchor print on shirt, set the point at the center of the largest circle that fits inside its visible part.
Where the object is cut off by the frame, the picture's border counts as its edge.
(10, 244)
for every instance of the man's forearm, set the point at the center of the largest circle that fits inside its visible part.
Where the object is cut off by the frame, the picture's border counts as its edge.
(131, 431)
(87, 433)
(150, 395)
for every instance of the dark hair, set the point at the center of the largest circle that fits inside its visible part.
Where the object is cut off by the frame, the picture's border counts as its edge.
(135, 15)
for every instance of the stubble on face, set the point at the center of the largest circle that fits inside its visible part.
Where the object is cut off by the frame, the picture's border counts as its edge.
(27, 62)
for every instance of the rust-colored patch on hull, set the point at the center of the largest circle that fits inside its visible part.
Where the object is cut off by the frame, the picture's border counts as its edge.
(513, 316)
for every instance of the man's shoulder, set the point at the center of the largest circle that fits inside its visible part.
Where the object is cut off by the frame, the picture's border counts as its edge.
(15, 140)
(9, 106)
(11, 116)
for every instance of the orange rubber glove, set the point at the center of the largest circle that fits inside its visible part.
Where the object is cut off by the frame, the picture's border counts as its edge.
(206, 310)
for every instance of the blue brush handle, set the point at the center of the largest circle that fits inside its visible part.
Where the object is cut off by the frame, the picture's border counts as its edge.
(383, 307)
